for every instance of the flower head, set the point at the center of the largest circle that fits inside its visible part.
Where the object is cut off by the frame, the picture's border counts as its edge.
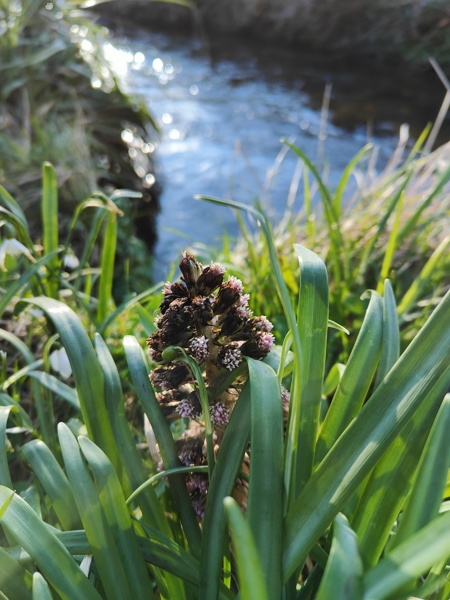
(199, 348)
(220, 415)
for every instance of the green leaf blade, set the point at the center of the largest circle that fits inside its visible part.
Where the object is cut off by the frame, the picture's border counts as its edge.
(265, 499)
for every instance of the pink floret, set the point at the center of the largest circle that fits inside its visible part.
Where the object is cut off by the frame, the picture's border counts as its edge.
(235, 284)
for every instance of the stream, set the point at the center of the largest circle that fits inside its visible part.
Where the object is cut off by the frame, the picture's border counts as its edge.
(223, 107)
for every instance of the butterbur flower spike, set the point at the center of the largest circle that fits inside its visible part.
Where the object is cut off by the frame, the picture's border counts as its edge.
(208, 315)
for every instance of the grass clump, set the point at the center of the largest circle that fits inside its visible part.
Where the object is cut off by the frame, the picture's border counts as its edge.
(335, 475)
(372, 226)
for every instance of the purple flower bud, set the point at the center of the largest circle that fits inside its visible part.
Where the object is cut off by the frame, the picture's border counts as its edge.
(243, 312)
(199, 348)
(243, 300)
(235, 284)
(266, 341)
(186, 409)
(220, 415)
(191, 270)
(217, 268)
(230, 357)
(285, 398)
(167, 288)
(262, 324)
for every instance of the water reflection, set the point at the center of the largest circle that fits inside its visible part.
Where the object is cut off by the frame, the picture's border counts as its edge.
(223, 113)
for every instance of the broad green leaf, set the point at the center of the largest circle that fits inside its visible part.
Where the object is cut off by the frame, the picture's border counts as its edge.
(118, 518)
(41, 591)
(15, 581)
(58, 387)
(54, 482)
(426, 495)
(390, 344)
(52, 558)
(390, 482)
(86, 370)
(250, 571)
(365, 440)
(147, 398)
(342, 579)
(50, 224)
(413, 558)
(228, 464)
(107, 267)
(356, 380)
(98, 531)
(312, 322)
(265, 498)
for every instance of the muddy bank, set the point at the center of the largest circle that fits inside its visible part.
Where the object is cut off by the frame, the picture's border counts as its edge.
(411, 30)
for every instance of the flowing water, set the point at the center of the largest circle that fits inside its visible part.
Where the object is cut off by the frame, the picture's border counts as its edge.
(224, 106)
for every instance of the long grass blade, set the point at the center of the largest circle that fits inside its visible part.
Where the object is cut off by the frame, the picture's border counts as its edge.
(412, 222)
(58, 387)
(422, 280)
(283, 294)
(45, 422)
(356, 380)
(50, 224)
(265, 498)
(118, 518)
(55, 483)
(147, 398)
(86, 371)
(15, 581)
(369, 435)
(107, 267)
(312, 323)
(5, 477)
(342, 579)
(228, 464)
(41, 591)
(337, 202)
(18, 285)
(332, 217)
(390, 344)
(426, 495)
(391, 247)
(390, 482)
(250, 571)
(408, 561)
(98, 531)
(52, 558)
(13, 206)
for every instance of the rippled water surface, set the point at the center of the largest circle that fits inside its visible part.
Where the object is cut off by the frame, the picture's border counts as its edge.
(223, 108)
